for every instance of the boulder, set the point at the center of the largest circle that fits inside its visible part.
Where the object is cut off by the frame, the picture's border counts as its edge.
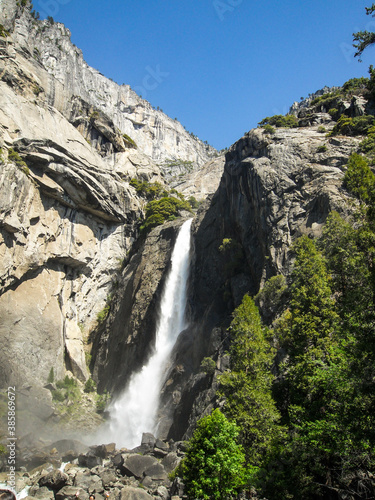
(108, 477)
(44, 494)
(136, 465)
(156, 472)
(88, 482)
(103, 450)
(89, 460)
(54, 480)
(130, 493)
(170, 462)
(70, 493)
(148, 440)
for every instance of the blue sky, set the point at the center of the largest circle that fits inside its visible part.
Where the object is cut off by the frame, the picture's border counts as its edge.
(218, 66)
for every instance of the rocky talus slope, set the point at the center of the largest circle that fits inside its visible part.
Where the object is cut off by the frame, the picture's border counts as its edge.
(66, 469)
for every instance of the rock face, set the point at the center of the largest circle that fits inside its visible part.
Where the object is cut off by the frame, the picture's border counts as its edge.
(74, 271)
(274, 189)
(68, 214)
(74, 88)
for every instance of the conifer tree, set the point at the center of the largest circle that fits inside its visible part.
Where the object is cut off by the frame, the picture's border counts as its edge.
(247, 386)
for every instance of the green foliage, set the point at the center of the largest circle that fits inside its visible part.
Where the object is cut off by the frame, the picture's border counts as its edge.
(193, 202)
(359, 125)
(208, 366)
(15, 158)
(213, 468)
(271, 298)
(51, 20)
(325, 388)
(129, 141)
(90, 385)
(159, 211)
(322, 149)
(102, 315)
(321, 129)
(312, 316)
(355, 84)
(3, 32)
(150, 190)
(51, 376)
(185, 166)
(334, 112)
(364, 38)
(67, 390)
(287, 121)
(359, 178)
(247, 386)
(269, 129)
(367, 146)
(101, 401)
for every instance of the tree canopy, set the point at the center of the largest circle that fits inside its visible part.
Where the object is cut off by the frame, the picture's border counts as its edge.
(213, 468)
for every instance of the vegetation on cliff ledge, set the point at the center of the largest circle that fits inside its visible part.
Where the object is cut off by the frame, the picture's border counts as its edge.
(163, 205)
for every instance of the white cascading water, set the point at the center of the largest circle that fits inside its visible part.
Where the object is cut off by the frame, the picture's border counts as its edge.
(135, 410)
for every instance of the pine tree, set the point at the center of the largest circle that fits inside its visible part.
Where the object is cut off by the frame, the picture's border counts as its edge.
(247, 386)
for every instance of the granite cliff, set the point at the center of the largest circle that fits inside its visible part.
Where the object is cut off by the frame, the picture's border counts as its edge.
(80, 282)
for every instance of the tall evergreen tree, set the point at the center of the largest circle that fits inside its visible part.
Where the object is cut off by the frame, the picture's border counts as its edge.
(247, 386)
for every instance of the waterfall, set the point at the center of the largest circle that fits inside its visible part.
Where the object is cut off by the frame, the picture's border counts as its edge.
(135, 410)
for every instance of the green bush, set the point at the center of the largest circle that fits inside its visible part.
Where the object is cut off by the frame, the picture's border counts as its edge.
(67, 389)
(208, 366)
(321, 149)
(287, 121)
(102, 315)
(150, 190)
(101, 401)
(90, 385)
(355, 84)
(159, 211)
(359, 125)
(193, 202)
(269, 129)
(15, 158)
(213, 468)
(326, 99)
(334, 112)
(321, 129)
